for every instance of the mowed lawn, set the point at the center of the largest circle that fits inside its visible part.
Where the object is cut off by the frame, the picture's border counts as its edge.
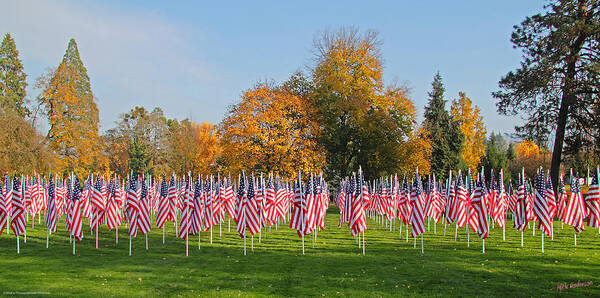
(276, 267)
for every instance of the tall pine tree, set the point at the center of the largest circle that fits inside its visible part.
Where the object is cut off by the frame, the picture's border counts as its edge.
(73, 116)
(12, 78)
(443, 131)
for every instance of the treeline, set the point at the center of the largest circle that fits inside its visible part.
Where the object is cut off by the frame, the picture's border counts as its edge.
(337, 115)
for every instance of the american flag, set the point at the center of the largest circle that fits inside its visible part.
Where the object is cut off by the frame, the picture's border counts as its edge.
(541, 207)
(113, 205)
(562, 198)
(462, 202)
(404, 202)
(144, 209)
(17, 223)
(163, 214)
(76, 207)
(479, 212)
(198, 207)
(592, 201)
(298, 219)
(575, 212)
(248, 216)
(186, 214)
(51, 209)
(416, 203)
(5, 191)
(132, 207)
(501, 204)
(358, 222)
(520, 213)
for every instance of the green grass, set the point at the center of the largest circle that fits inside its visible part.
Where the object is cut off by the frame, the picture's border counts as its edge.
(335, 267)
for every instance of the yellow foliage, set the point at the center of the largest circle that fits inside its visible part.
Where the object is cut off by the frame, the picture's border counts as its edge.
(270, 130)
(527, 149)
(471, 125)
(73, 117)
(416, 153)
(194, 148)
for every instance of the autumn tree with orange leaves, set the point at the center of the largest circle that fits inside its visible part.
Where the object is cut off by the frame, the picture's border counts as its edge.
(472, 127)
(271, 130)
(73, 117)
(364, 123)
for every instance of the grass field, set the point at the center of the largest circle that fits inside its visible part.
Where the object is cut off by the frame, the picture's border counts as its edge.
(276, 267)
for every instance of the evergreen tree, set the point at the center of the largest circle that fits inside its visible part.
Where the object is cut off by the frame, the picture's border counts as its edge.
(73, 116)
(443, 132)
(496, 157)
(12, 78)
(138, 158)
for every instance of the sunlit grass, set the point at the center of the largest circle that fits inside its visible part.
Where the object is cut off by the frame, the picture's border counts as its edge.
(277, 267)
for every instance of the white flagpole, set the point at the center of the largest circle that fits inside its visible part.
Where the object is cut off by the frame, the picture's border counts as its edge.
(252, 243)
(74, 245)
(47, 236)
(18, 248)
(146, 241)
(129, 245)
(521, 238)
(244, 243)
(483, 247)
(117, 234)
(542, 242)
(575, 234)
(363, 244)
(422, 248)
(163, 234)
(97, 233)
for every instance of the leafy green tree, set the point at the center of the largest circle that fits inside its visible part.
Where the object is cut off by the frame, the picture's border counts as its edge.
(556, 86)
(496, 156)
(144, 129)
(12, 78)
(443, 131)
(138, 158)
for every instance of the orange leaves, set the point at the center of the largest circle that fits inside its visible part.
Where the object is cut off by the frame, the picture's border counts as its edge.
(270, 130)
(527, 149)
(471, 125)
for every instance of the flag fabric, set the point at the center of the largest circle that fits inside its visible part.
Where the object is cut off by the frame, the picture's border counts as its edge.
(575, 211)
(113, 205)
(462, 202)
(520, 214)
(5, 202)
(298, 219)
(563, 198)
(51, 209)
(357, 220)
(17, 222)
(248, 217)
(592, 203)
(404, 206)
(186, 213)
(144, 209)
(541, 207)
(416, 203)
(479, 210)
(164, 210)
(501, 204)
(77, 202)
(132, 207)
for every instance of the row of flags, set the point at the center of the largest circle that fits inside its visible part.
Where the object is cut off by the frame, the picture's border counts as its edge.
(475, 204)
(193, 205)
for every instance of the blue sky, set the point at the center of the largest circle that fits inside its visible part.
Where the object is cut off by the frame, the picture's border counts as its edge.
(194, 59)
